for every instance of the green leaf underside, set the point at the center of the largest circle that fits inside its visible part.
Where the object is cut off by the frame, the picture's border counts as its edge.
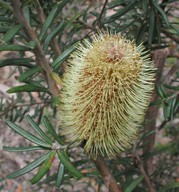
(170, 186)
(51, 130)
(5, 5)
(52, 35)
(38, 130)
(14, 48)
(151, 25)
(69, 166)
(11, 33)
(56, 9)
(27, 135)
(176, 88)
(28, 167)
(134, 184)
(61, 58)
(160, 10)
(21, 149)
(60, 175)
(169, 109)
(43, 168)
(29, 73)
(121, 12)
(48, 22)
(18, 62)
(27, 88)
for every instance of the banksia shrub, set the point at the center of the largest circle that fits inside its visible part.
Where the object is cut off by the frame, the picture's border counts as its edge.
(106, 92)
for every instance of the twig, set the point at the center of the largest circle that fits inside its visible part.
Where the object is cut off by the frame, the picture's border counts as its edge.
(107, 177)
(146, 178)
(102, 11)
(163, 124)
(138, 163)
(40, 56)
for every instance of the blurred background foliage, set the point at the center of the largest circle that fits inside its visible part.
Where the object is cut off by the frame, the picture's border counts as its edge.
(57, 26)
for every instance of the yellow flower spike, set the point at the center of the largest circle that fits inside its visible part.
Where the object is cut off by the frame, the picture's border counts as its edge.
(105, 94)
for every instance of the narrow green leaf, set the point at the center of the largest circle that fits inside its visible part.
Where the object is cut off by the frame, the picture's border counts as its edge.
(11, 33)
(69, 166)
(162, 13)
(151, 25)
(56, 9)
(26, 134)
(168, 108)
(4, 29)
(125, 26)
(26, 11)
(161, 92)
(172, 87)
(34, 83)
(5, 5)
(52, 35)
(141, 33)
(38, 130)
(51, 130)
(21, 149)
(29, 73)
(28, 167)
(121, 12)
(170, 186)
(144, 4)
(48, 22)
(158, 32)
(61, 58)
(27, 88)
(114, 4)
(14, 48)
(60, 175)
(43, 168)
(6, 19)
(18, 62)
(134, 184)
(50, 179)
(31, 44)
(172, 107)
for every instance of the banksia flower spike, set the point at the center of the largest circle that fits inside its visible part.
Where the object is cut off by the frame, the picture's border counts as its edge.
(105, 94)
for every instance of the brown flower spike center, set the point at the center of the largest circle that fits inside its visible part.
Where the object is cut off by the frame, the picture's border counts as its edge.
(113, 54)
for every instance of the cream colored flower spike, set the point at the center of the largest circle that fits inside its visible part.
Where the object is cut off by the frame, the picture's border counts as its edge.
(106, 92)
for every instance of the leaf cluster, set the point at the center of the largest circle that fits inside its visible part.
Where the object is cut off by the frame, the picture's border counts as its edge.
(57, 27)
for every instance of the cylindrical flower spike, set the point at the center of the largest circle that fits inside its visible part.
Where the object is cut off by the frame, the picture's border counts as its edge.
(105, 94)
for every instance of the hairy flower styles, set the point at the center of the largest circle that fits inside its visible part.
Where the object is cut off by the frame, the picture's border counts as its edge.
(106, 92)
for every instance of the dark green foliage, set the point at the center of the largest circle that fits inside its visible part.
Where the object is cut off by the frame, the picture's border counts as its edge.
(43, 142)
(58, 27)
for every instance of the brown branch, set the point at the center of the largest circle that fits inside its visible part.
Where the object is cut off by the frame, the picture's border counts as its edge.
(146, 178)
(159, 57)
(137, 162)
(40, 56)
(107, 177)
